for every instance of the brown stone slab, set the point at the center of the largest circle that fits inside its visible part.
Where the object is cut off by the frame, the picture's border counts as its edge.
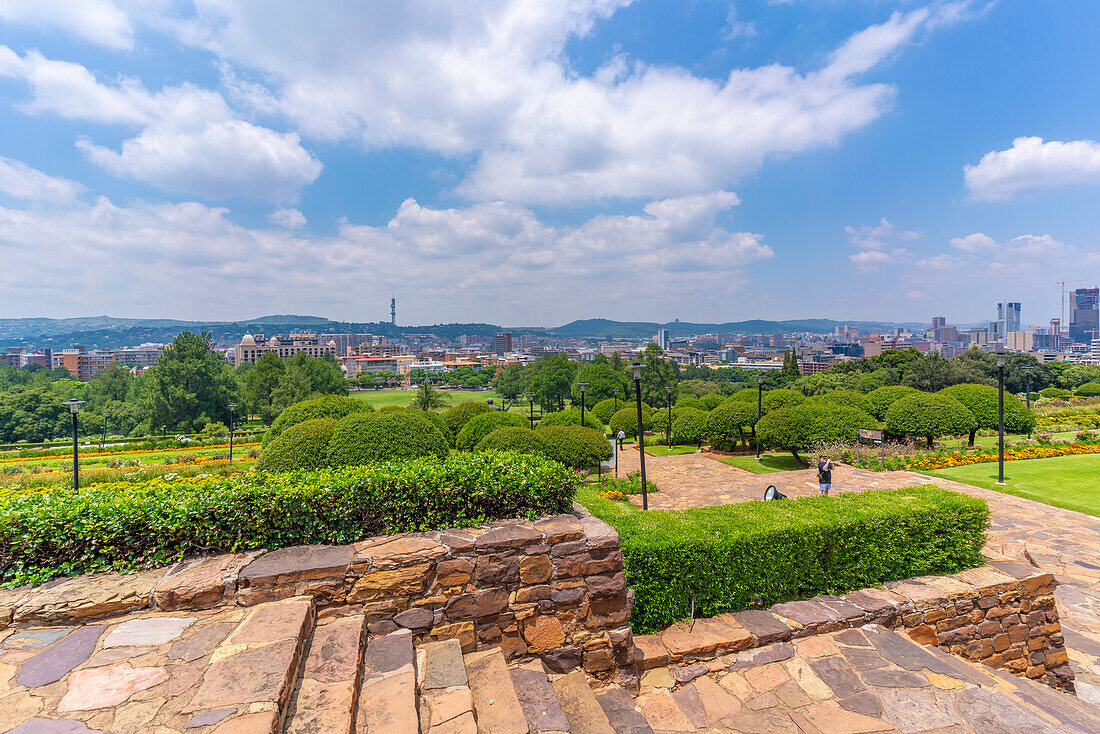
(391, 583)
(649, 652)
(334, 653)
(88, 597)
(598, 535)
(397, 551)
(496, 706)
(872, 605)
(920, 595)
(580, 706)
(704, 636)
(540, 703)
(764, 626)
(808, 613)
(256, 675)
(560, 528)
(200, 582)
(507, 537)
(322, 708)
(298, 563)
(387, 705)
(275, 621)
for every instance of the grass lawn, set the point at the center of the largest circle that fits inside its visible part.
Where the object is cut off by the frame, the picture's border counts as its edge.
(382, 398)
(768, 463)
(674, 451)
(1063, 481)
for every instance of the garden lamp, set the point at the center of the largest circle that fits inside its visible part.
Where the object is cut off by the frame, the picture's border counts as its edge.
(581, 386)
(759, 408)
(1027, 389)
(668, 403)
(616, 392)
(531, 401)
(771, 493)
(637, 369)
(1000, 418)
(74, 408)
(232, 410)
(106, 419)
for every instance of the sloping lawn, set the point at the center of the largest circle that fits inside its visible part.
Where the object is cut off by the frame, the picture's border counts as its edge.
(1069, 482)
(768, 463)
(382, 398)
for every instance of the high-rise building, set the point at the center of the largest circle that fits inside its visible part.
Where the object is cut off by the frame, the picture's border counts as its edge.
(1055, 327)
(661, 338)
(938, 322)
(502, 343)
(1008, 319)
(1084, 321)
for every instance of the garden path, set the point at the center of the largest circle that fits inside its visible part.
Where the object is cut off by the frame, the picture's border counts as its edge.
(1064, 542)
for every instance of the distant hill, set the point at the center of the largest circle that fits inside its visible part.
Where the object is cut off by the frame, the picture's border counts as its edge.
(107, 331)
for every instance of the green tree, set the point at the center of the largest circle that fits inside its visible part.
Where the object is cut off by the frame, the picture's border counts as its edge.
(928, 372)
(261, 382)
(657, 373)
(512, 381)
(602, 382)
(189, 386)
(801, 427)
(981, 401)
(125, 417)
(882, 398)
(550, 378)
(790, 369)
(32, 413)
(112, 384)
(727, 422)
(929, 416)
(428, 398)
(307, 376)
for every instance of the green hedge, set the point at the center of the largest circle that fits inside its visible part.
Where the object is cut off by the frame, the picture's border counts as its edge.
(302, 446)
(1088, 390)
(626, 420)
(737, 556)
(386, 436)
(570, 417)
(482, 425)
(457, 416)
(325, 406)
(882, 398)
(512, 438)
(604, 409)
(689, 426)
(575, 446)
(126, 526)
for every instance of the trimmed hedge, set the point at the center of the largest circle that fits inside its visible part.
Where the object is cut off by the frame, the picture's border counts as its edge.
(689, 426)
(604, 409)
(727, 422)
(511, 438)
(302, 446)
(738, 556)
(1088, 390)
(782, 398)
(324, 406)
(627, 421)
(981, 401)
(882, 398)
(457, 416)
(126, 525)
(929, 416)
(575, 446)
(570, 417)
(851, 398)
(710, 402)
(811, 424)
(1055, 392)
(689, 403)
(482, 425)
(383, 437)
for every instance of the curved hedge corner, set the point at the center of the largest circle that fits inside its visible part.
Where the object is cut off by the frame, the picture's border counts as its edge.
(302, 446)
(575, 446)
(325, 406)
(125, 526)
(457, 416)
(482, 425)
(744, 555)
(570, 417)
(512, 438)
(383, 437)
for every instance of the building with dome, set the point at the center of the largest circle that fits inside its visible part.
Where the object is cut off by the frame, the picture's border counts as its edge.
(250, 349)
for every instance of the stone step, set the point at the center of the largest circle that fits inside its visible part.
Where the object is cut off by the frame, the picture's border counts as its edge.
(387, 696)
(583, 711)
(622, 711)
(446, 703)
(539, 700)
(328, 687)
(496, 706)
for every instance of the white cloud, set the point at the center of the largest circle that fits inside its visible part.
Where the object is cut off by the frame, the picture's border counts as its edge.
(976, 242)
(190, 141)
(488, 80)
(98, 21)
(491, 257)
(735, 27)
(289, 218)
(878, 244)
(1032, 164)
(23, 182)
(1027, 246)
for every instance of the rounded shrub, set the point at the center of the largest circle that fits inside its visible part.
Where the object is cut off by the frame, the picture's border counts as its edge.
(851, 398)
(436, 420)
(689, 403)
(882, 398)
(710, 402)
(689, 426)
(301, 446)
(929, 416)
(393, 435)
(800, 427)
(482, 425)
(604, 409)
(1088, 390)
(392, 408)
(726, 423)
(570, 417)
(981, 401)
(575, 446)
(1055, 393)
(627, 421)
(457, 416)
(324, 406)
(745, 394)
(513, 438)
(783, 398)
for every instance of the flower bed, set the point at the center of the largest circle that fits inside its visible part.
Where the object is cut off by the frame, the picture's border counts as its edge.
(946, 461)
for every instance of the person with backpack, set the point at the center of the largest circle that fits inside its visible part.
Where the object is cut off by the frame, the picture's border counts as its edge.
(825, 475)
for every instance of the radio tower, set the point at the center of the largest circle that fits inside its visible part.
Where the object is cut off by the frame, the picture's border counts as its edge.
(393, 311)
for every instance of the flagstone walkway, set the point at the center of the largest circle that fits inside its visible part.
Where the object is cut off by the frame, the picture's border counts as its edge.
(1064, 542)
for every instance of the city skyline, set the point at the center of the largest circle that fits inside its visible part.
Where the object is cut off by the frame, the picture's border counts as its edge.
(520, 163)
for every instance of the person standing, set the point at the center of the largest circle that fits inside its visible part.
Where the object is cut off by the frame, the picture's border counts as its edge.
(621, 435)
(825, 475)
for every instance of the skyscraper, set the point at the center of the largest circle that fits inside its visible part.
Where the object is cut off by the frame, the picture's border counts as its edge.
(1084, 310)
(502, 343)
(661, 338)
(1008, 319)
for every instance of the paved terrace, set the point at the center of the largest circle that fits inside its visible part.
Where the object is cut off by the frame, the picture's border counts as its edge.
(1063, 542)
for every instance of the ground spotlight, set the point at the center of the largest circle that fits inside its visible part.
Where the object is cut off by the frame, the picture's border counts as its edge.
(771, 493)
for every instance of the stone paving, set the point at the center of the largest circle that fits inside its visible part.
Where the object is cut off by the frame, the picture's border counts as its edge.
(1062, 542)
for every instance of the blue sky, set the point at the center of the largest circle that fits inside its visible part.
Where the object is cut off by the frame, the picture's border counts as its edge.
(537, 161)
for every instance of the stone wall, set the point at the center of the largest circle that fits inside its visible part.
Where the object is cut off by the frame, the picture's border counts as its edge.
(552, 588)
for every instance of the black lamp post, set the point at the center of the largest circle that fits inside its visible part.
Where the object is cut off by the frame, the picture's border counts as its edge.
(74, 408)
(106, 417)
(232, 410)
(641, 432)
(1027, 389)
(616, 392)
(668, 429)
(164, 431)
(531, 402)
(581, 386)
(1000, 418)
(759, 408)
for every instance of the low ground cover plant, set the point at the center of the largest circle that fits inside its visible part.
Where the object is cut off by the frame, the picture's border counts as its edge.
(131, 525)
(756, 554)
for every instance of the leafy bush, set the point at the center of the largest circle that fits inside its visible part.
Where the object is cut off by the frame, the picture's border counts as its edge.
(1088, 390)
(929, 416)
(1055, 393)
(727, 422)
(736, 556)
(851, 398)
(604, 409)
(882, 398)
(778, 399)
(385, 436)
(131, 525)
(302, 446)
(626, 420)
(981, 401)
(513, 438)
(575, 446)
(695, 403)
(689, 426)
(436, 419)
(325, 406)
(746, 394)
(570, 417)
(710, 402)
(482, 425)
(457, 416)
(800, 427)
(393, 408)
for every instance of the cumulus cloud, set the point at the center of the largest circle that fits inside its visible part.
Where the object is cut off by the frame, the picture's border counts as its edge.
(98, 21)
(19, 180)
(1032, 164)
(735, 27)
(878, 244)
(464, 261)
(289, 218)
(190, 140)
